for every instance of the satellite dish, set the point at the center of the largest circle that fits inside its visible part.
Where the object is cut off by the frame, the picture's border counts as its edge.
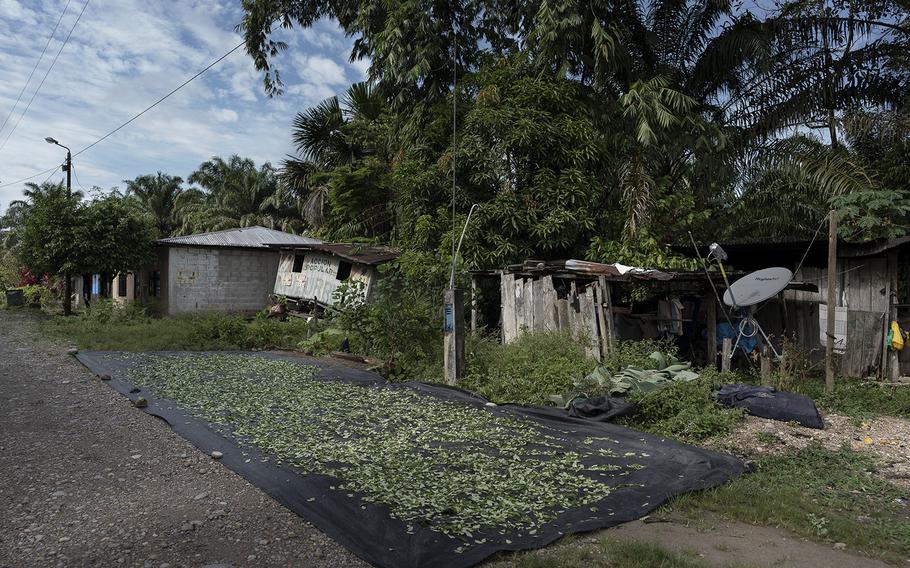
(757, 286)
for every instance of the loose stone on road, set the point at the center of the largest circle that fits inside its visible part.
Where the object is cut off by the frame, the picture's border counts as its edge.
(87, 479)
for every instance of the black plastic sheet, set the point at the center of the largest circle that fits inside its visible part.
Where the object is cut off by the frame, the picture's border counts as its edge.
(371, 532)
(768, 402)
(601, 408)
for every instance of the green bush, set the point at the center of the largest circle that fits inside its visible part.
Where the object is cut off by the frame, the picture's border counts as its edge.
(687, 409)
(104, 312)
(401, 324)
(527, 371)
(637, 353)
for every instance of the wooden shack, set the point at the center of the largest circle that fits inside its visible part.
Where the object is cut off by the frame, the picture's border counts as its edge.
(871, 289)
(592, 301)
(309, 275)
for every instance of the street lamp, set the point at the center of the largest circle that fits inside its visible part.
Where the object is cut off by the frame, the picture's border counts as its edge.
(68, 168)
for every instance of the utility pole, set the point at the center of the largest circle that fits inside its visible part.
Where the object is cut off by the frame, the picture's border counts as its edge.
(832, 302)
(68, 168)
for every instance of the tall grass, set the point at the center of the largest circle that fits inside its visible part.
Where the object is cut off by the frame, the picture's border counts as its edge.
(106, 326)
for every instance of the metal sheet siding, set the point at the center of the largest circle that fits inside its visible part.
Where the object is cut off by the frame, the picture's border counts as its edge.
(317, 278)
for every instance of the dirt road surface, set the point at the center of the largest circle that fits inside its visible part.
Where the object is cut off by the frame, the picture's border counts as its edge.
(88, 480)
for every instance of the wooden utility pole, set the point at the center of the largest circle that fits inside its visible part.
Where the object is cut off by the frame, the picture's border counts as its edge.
(453, 335)
(831, 300)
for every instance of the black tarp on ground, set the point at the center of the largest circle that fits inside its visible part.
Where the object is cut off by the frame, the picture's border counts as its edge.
(768, 402)
(369, 530)
(601, 408)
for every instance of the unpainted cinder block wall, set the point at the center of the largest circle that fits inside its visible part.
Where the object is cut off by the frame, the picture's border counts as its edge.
(207, 279)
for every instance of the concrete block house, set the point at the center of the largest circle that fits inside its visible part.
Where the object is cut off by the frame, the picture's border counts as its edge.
(225, 271)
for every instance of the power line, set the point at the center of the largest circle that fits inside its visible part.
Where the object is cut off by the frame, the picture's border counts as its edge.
(33, 176)
(50, 176)
(154, 104)
(145, 110)
(75, 175)
(35, 68)
(41, 84)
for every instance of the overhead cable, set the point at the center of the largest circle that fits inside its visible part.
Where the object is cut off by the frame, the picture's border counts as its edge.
(35, 68)
(43, 79)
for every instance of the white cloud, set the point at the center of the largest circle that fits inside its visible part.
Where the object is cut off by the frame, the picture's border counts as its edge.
(320, 70)
(125, 54)
(226, 115)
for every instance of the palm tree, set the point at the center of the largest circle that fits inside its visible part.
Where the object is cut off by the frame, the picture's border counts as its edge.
(238, 194)
(334, 134)
(163, 198)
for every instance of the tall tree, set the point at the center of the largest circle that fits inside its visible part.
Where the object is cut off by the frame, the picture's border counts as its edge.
(339, 182)
(236, 194)
(163, 198)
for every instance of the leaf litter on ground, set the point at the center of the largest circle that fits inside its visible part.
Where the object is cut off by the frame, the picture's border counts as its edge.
(453, 468)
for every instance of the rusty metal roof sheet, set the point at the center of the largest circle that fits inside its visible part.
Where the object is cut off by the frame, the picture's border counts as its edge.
(613, 271)
(245, 237)
(355, 252)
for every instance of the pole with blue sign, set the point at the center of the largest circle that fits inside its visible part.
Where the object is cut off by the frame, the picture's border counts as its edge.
(453, 332)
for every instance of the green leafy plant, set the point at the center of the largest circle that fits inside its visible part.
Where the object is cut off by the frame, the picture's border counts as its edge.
(527, 371)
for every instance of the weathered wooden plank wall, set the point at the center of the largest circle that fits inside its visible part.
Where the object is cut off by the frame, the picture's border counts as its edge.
(863, 286)
(530, 304)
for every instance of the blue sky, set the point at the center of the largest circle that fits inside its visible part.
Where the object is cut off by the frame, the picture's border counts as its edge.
(125, 54)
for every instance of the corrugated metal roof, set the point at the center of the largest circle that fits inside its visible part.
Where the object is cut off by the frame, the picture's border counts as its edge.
(246, 237)
(355, 252)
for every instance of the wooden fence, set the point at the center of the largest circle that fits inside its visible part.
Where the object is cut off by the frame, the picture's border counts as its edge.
(534, 304)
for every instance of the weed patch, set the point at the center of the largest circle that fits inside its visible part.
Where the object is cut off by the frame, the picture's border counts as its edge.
(857, 398)
(686, 409)
(821, 494)
(527, 371)
(606, 553)
(114, 328)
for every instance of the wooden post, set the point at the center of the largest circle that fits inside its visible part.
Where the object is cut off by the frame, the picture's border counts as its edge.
(765, 363)
(725, 354)
(600, 305)
(453, 335)
(892, 310)
(831, 300)
(606, 291)
(473, 304)
(711, 321)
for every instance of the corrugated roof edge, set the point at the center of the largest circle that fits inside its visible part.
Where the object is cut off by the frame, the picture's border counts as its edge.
(242, 237)
(371, 255)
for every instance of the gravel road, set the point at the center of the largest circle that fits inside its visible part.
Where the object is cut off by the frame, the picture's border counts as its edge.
(88, 480)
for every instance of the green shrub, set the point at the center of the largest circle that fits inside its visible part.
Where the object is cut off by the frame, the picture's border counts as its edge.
(104, 312)
(637, 353)
(687, 409)
(401, 324)
(222, 331)
(527, 371)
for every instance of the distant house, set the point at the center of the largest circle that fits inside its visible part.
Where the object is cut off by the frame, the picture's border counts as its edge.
(226, 271)
(309, 274)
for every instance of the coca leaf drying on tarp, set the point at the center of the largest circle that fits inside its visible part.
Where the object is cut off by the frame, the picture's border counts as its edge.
(410, 474)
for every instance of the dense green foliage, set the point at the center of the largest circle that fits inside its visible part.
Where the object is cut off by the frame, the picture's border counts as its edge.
(820, 494)
(527, 371)
(63, 233)
(686, 410)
